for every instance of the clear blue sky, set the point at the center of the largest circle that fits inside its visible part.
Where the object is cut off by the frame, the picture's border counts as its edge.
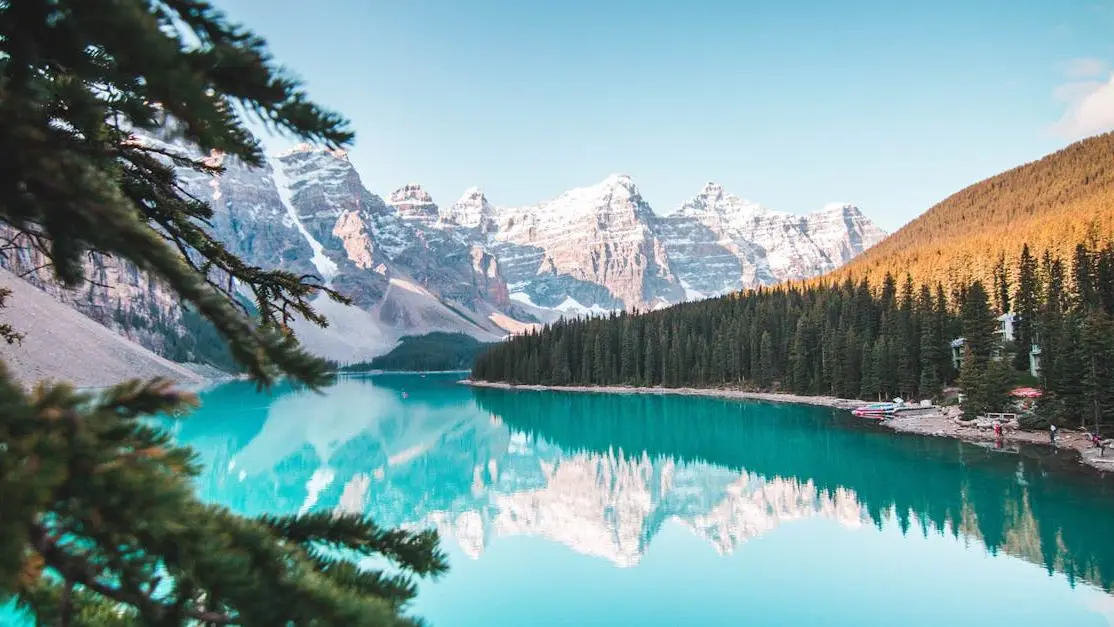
(892, 105)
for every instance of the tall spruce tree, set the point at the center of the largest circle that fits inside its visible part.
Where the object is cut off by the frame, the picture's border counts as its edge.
(101, 524)
(931, 344)
(909, 342)
(1098, 370)
(799, 353)
(1083, 276)
(948, 329)
(628, 359)
(1001, 286)
(980, 348)
(650, 367)
(766, 372)
(1104, 278)
(1026, 302)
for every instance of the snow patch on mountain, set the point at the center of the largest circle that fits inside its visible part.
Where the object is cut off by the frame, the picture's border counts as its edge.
(327, 267)
(690, 294)
(522, 297)
(353, 334)
(571, 306)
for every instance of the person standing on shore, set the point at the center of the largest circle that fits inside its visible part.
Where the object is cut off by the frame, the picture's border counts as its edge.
(1052, 434)
(1099, 443)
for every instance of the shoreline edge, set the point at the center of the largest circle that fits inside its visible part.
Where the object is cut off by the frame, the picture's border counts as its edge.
(936, 425)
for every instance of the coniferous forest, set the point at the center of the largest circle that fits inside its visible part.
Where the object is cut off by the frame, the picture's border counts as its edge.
(858, 340)
(1051, 204)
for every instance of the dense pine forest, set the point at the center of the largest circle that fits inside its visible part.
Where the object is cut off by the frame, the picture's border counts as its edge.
(429, 352)
(856, 340)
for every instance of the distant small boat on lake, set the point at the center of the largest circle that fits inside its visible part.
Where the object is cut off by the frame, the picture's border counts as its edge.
(881, 411)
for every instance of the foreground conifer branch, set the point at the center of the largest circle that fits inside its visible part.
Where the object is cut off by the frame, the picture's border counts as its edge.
(100, 524)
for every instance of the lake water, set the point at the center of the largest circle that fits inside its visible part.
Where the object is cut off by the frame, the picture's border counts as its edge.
(583, 509)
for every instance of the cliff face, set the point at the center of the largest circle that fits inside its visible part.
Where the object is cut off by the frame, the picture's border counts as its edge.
(117, 294)
(720, 242)
(598, 236)
(59, 343)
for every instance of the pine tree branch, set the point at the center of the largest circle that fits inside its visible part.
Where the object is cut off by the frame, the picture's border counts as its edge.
(102, 497)
(415, 551)
(76, 570)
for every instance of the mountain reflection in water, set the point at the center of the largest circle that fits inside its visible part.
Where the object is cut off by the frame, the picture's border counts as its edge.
(602, 473)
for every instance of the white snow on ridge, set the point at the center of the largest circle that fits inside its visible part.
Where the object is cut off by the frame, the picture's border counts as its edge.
(690, 293)
(569, 306)
(353, 334)
(572, 306)
(327, 267)
(522, 297)
(576, 202)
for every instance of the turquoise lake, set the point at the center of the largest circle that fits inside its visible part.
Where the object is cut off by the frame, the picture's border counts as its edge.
(586, 509)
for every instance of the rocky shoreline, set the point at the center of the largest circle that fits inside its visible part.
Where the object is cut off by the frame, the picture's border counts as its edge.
(941, 424)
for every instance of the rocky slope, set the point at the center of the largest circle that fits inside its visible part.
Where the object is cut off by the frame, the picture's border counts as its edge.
(414, 267)
(60, 343)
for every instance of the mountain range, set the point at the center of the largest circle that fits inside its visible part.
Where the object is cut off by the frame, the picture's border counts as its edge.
(412, 266)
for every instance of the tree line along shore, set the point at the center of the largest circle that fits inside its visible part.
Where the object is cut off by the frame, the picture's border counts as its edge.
(1043, 321)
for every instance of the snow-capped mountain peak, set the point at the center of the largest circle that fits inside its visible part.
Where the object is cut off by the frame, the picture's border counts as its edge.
(311, 148)
(619, 186)
(615, 191)
(712, 192)
(620, 179)
(473, 195)
(413, 203)
(840, 209)
(712, 199)
(471, 210)
(837, 206)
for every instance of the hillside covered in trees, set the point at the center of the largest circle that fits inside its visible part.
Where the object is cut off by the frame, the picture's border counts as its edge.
(1064, 199)
(429, 352)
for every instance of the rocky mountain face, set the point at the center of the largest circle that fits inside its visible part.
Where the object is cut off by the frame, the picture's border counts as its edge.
(590, 247)
(406, 271)
(117, 294)
(719, 242)
(413, 266)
